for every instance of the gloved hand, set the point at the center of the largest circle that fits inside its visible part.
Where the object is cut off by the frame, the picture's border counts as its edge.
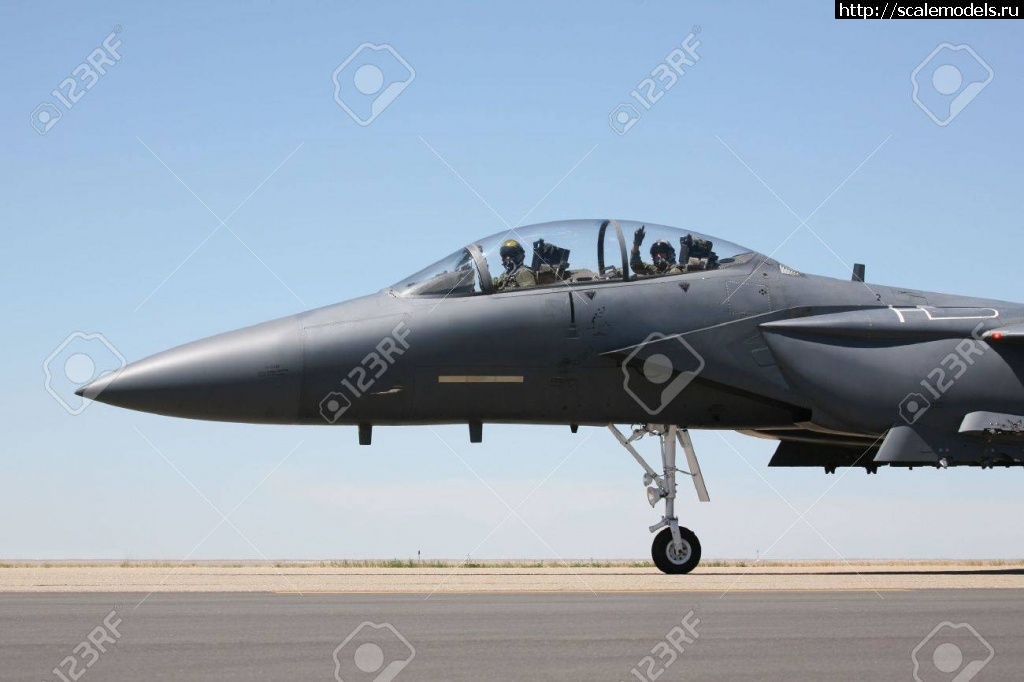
(638, 236)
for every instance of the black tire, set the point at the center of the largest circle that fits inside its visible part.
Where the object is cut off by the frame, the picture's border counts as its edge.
(667, 560)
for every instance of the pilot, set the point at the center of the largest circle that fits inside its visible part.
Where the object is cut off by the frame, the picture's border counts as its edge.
(663, 257)
(516, 274)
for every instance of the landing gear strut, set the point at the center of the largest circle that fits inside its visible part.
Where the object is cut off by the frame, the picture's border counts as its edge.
(675, 549)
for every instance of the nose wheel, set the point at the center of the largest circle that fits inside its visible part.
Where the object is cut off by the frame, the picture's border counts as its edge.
(675, 549)
(674, 558)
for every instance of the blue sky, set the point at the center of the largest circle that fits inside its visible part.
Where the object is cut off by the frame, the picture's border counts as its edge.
(787, 113)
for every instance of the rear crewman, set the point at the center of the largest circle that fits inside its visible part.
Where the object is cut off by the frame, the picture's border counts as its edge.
(663, 257)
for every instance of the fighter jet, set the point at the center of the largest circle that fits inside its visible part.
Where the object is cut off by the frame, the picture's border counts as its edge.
(605, 323)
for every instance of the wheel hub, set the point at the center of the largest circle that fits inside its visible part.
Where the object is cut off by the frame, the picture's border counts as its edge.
(678, 554)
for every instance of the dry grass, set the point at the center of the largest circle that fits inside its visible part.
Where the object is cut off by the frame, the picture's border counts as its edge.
(507, 564)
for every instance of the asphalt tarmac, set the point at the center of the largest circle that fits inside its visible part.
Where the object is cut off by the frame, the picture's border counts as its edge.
(764, 635)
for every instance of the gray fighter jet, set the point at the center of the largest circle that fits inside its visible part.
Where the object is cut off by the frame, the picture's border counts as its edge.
(580, 326)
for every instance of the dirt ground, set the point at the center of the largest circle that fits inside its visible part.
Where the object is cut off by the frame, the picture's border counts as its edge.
(355, 577)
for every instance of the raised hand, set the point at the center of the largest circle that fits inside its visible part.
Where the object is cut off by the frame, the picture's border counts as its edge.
(638, 236)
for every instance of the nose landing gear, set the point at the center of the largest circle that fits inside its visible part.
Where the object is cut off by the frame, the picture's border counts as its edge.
(675, 549)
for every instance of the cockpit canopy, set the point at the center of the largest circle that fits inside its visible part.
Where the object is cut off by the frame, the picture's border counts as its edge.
(569, 252)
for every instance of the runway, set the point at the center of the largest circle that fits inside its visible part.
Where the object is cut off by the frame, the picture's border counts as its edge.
(246, 621)
(766, 635)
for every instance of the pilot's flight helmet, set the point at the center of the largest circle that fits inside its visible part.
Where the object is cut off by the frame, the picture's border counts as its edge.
(512, 254)
(662, 253)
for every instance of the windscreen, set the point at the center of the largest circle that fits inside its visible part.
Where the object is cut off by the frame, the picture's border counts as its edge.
(454, 275)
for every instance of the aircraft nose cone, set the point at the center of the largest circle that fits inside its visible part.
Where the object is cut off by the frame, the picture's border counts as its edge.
(94, 388)
(248, 375)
